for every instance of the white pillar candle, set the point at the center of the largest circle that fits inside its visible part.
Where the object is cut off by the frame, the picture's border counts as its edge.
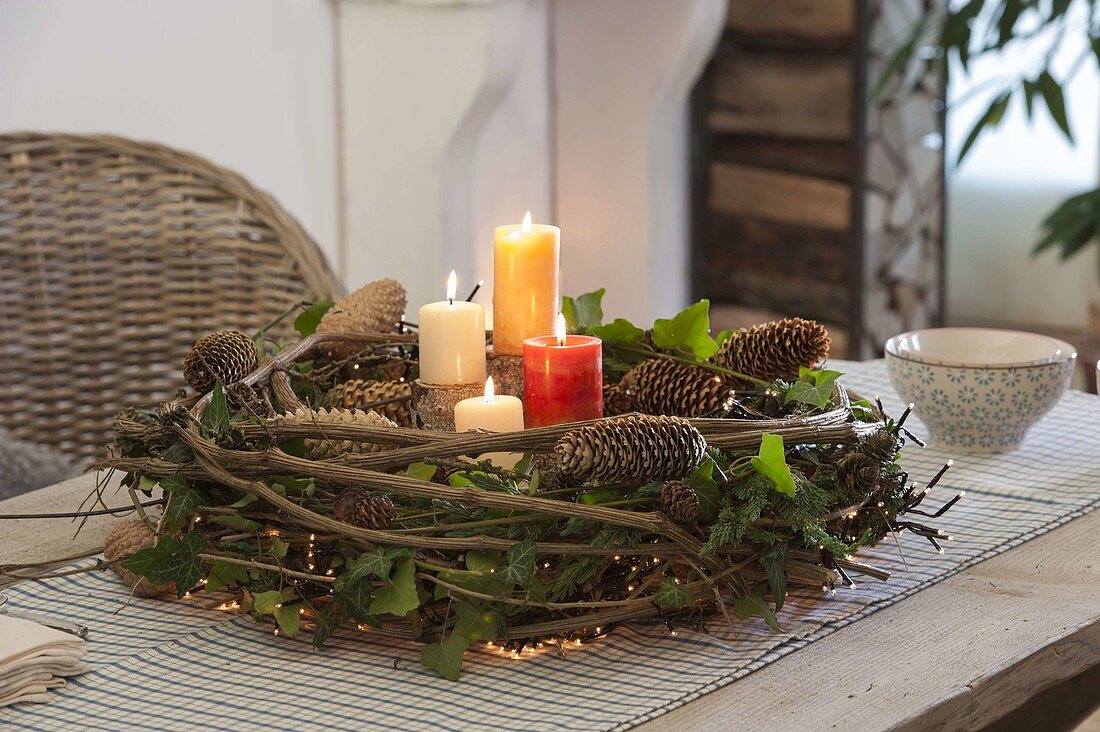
(493, 413)
(452, 340)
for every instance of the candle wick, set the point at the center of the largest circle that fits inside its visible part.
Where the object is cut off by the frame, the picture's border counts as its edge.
(451, 300)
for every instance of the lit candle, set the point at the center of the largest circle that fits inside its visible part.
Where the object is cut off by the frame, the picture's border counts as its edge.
(563, 377)
(493, 413)
(525, 283)
(452, 340)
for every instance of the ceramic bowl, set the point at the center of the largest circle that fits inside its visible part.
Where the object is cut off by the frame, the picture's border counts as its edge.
(979, 389)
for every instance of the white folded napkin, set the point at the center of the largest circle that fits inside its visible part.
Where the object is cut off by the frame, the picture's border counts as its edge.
(34, 659)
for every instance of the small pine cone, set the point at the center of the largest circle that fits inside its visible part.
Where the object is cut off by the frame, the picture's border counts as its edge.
(224, 355)
(775, 350)
(356, 394)
(358, 508)
(616, 400)
(376, 307)
(633, 448)
(661, 386)
(124, 540)
(882, 447)
(679, 502)
(248, 399)
(858, 474)
(324, 447)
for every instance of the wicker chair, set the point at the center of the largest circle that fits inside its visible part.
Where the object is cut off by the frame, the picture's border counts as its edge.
(114, 256)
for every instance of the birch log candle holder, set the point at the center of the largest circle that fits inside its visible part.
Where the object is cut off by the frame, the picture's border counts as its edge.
(435, 404)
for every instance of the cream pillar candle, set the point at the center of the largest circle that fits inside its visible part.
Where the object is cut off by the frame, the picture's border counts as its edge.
(495, 414)
(525, 284)
(452, 340)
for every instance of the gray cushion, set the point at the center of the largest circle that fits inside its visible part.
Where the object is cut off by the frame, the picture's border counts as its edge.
(25, 466)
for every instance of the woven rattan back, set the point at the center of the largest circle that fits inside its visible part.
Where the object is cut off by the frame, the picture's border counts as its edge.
(115, 256)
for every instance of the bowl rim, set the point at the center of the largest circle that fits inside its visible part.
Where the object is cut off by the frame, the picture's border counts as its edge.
(1068, 350)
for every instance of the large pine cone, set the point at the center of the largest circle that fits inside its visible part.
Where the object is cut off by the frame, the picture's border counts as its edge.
(358, 393)
(224, 355)
(661, 386)
(634, 448)
(124, 540)
(324, 448)
(775, 350)
(358, 508)
(376, 307)
(679, 502)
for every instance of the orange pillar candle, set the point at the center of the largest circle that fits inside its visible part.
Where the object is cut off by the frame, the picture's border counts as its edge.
(525, 283)
(562, 378)
(452, 340)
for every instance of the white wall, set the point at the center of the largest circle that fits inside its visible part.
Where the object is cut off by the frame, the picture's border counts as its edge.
(1005, 187)
(246, 83)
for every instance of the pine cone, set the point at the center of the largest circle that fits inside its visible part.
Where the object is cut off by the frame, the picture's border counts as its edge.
(634, 448)
(858, 474)
(324, 448)
(248, 399)
(882, 447)
(775, 350)
(359, 392)
(125, 539)
(660, 386)
(224, 355)
(679, 502)
(358, 508)
(376, 307)
(616, 400)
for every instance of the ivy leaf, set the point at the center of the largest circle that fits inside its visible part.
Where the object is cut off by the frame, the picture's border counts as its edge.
(482, 561)
(328, 617)
(445, 657)
(688, 330)
(671, 595)
(773, 558)
(772, 464)
(266, 603)
(224, 574)
(185, 498)
(620, 332)
(476, 624)
(814, 387)
(216, 416)
(420, 471)
(307, 321)
(753, 603)
(710, 498)
(171, 560)
(584, 312)
(399, 595)
(354, 599)
(278, 547)
(377, 562)
(521, 566)
(288, 618)
(724, 336)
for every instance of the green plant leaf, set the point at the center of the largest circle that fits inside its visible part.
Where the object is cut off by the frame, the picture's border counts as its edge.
(619, 332)
(774, 559)
(483, 561)
(688, 330)
(224, 574)
(184, 498)
(216, 416)
(278, 547)
(328, 618)
(289, 618)
(991, 118)
(477, 624)
(1055, 101)
(900, 59)
(814, 387)
(753, 603)
(583, 312)
(421, 471)
(521, 566)
(771, 463)
(399, 595)
(671, 595)
(171, 560)
(307, 321)
(445, 657)
(710, 497)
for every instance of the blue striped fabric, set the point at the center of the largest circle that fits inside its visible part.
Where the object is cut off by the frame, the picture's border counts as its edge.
(165, 665)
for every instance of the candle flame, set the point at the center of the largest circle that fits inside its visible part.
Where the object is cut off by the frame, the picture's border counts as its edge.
(490, 391)
(526, 228)
(559, 329)
(452, 286)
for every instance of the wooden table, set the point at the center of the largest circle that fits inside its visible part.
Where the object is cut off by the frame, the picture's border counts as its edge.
(961, 654)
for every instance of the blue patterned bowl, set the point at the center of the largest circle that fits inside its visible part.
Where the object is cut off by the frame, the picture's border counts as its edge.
(978, 390)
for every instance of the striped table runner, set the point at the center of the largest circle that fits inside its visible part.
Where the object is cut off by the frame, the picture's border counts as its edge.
(166, 665)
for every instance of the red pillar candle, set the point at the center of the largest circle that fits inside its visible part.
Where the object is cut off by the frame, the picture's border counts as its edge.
(562, 378)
